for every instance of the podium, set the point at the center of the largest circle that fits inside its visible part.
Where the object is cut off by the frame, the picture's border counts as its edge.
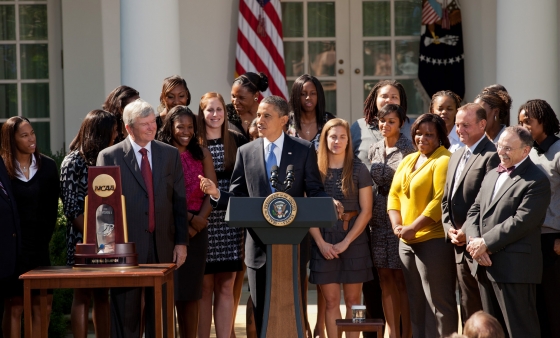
(283, 309)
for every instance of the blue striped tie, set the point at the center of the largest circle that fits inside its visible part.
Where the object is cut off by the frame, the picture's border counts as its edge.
(270, 162)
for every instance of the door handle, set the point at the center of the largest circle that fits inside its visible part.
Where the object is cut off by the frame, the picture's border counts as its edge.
(341, 71)
(357, 70)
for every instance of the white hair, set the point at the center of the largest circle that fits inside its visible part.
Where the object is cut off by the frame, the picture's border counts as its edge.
(136, 109)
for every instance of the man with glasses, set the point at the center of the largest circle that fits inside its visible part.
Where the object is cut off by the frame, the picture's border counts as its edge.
(503, 233)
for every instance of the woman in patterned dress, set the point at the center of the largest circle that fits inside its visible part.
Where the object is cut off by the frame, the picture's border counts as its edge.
(340, 254)
(180, 130)
(224, 259)
(97, 132)
(385, 157)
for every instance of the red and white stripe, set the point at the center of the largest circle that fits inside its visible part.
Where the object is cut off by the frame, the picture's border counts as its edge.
(429, 15)
(256, 53)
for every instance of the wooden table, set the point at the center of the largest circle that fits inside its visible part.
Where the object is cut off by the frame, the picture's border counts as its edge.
(64, 277)
(368, 325)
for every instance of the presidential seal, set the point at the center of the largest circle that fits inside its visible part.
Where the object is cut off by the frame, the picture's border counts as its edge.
(279, 209)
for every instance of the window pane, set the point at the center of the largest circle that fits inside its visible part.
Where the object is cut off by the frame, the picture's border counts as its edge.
(413, 97)
(33, 22)
(292, 19)
(290, 84)
(7, 22)
(329, 87)
(408, 17)
(320, 19)
(8, 100)
(35, 99)
(34, 61)
(322, 58)
(406, 57)
(43, 134)
(8, 65)
(377, 58)
(293, 58)
(376, 18)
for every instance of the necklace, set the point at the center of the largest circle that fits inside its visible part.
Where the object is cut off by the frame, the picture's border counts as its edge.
(24, 169)
(306, 127)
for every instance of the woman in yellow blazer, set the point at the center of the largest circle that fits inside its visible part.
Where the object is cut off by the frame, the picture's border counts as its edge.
(414, 207)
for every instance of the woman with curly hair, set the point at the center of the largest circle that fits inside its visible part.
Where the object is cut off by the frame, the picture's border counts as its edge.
(445, 104)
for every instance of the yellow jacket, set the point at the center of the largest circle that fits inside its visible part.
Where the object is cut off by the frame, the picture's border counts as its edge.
(419, 192)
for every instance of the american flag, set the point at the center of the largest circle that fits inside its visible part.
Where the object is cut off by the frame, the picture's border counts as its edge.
(429, 15)
(259, 43)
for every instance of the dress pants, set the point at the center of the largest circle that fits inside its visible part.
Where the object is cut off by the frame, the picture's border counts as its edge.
(469, 294)
(430, 276)
(257, 286)
(126, 304)
(513, 305)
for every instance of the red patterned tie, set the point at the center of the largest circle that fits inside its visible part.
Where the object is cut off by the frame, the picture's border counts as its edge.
(147, 175)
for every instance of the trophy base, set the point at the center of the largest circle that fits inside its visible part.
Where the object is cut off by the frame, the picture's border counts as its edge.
(87, 257)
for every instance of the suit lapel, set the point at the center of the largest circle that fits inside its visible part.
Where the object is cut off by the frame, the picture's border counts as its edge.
(257, 167)
(510, 181)
(132, 163)
(287, 157)
(157, 162)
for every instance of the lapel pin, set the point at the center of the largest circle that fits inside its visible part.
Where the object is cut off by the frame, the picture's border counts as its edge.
(289, 153)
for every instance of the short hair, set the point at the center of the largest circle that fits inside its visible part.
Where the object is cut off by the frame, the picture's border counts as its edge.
(295, 99)
(393, 108)
(370, 105)
(479, 110)
(136, 109)
(523, 134)
(94, 135)
(456, 98)
(171, 82)
(8, 147)
(483, 325)
(543, 113)
(441, 129)
(280, 105)
(253, 82)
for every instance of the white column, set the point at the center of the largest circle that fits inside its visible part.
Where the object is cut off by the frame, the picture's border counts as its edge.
(527, 51)
(150, 45)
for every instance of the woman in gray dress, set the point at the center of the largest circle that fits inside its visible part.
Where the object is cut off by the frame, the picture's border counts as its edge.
(340, 254)
(385, 157)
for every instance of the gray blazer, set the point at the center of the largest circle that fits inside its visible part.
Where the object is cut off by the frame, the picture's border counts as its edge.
(249, 178)
(454, 209)
(511, 223)
(169, 197)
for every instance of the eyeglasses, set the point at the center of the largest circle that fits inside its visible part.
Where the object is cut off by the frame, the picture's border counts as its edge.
(506, 149)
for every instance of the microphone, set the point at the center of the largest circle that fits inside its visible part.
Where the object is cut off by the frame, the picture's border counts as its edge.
(289, 177)
(274, 176)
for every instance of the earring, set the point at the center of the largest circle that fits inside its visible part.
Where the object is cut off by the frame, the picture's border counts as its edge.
(256, 99)
(440, 143)
(495, 118)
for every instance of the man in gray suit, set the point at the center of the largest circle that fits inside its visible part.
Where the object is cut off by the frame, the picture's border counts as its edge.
(503, 231)
(467, 168)
(250, 177)
(153, 185)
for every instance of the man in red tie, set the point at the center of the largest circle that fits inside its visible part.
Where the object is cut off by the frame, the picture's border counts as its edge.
(503, 229)
(153, 185)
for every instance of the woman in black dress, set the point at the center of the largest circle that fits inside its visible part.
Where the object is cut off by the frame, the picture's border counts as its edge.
(35, 186)
(245, 93)
(340, 254)
(97, 132)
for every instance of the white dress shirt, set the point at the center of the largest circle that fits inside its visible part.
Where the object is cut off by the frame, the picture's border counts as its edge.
(137, 148)
(454, 140)
(32, 170)
(279, 143)
(502, 178)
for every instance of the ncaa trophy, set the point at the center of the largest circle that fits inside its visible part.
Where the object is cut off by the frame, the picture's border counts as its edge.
(105, 238)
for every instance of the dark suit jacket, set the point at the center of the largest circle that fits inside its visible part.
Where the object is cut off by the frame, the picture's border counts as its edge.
(454, 209)
(249, 178)
(511, 223)
(169, 197)
(9, 226)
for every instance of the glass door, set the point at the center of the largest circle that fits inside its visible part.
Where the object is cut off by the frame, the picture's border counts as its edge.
(385, 37)
(316, 42)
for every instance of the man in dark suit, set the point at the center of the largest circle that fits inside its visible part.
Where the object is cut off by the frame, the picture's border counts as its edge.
(250, 177)
(153, 185)
(9, 228)
(467, 167)
(503, 230)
